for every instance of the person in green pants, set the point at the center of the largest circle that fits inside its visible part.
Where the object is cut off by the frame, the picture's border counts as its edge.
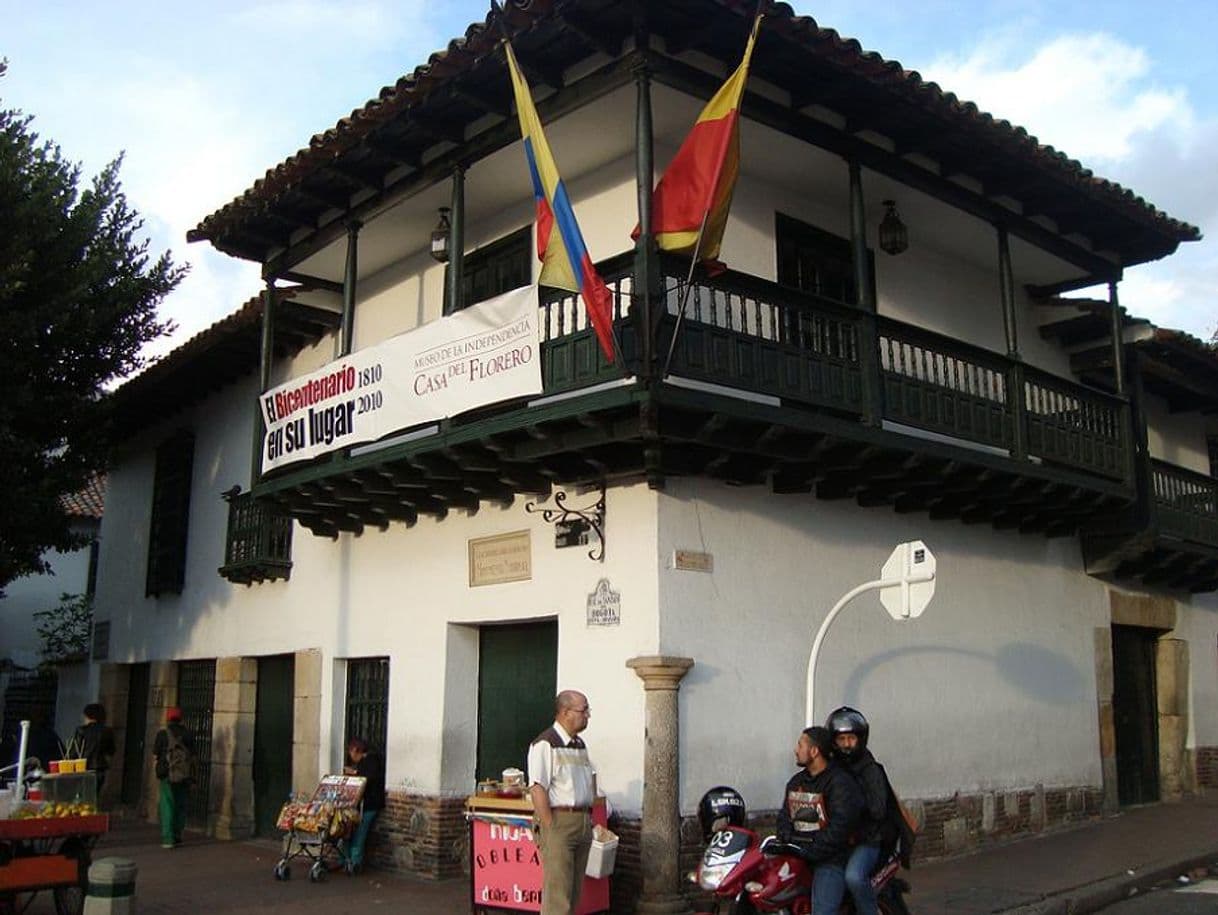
(173, 752)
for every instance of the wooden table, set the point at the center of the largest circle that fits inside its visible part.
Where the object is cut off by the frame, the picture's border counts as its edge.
(48, 854)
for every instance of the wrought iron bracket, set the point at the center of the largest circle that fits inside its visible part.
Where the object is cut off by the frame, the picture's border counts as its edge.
(592, 515)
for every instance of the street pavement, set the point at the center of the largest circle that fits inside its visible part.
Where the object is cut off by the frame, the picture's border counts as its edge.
(1101, 863)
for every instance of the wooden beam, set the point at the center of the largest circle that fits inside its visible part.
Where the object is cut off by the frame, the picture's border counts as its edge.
(595, 35)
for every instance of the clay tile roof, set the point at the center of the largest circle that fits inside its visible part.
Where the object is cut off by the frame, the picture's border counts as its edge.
(1012, 143)
(89, 501)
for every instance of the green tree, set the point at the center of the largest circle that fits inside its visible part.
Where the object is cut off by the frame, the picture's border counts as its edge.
(64, 630)
(78, 300)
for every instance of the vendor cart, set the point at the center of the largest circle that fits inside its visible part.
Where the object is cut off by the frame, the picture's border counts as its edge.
(51, 853)
(316, 827)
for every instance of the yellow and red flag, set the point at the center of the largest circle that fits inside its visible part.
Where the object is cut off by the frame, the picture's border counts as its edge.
(565, 262)
(700, 179)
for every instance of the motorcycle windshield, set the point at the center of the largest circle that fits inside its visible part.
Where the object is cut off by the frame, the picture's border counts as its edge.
(724, 851)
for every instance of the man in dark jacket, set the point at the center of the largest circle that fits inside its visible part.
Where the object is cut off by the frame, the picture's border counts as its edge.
(371, 766)
(173, 753)
(850, 731)
(821, 809)
(96, 741)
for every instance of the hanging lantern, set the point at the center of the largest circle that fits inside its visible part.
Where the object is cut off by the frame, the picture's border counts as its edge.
(439, 237)
(894, 237)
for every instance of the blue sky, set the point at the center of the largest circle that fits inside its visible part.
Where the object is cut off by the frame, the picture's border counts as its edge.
(203, 98)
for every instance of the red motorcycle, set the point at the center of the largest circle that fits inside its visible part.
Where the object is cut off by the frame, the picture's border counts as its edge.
(747, 875)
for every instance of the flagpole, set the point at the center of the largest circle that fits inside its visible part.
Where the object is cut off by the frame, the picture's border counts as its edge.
(710, 205)
(689, 283)
(505, 40)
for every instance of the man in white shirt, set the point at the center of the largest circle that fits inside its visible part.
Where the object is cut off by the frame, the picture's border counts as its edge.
(562, 784)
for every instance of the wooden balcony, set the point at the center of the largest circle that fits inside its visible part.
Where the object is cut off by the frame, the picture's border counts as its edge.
(1170, 541)
(259, 543)
(767, 386)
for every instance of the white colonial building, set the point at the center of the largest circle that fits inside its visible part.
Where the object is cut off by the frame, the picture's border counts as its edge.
(825, 400)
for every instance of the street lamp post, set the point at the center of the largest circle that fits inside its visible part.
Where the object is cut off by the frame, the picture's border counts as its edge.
(906, 585)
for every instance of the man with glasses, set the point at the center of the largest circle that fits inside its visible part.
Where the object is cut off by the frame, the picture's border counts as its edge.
(562, 784)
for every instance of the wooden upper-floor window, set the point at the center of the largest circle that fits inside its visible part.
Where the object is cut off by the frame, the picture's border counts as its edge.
(170, 515)
(499, 267)
(816, 261)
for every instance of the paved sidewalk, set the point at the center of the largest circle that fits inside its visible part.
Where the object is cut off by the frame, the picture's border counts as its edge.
(1076, 871)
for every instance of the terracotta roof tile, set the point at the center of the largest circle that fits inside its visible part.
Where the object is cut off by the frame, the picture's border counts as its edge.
(88, 502)
(846, 53)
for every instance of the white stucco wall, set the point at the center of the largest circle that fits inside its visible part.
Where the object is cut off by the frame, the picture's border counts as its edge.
(402, 593)
(1197, 623)
(1178, 438)
(994, 687)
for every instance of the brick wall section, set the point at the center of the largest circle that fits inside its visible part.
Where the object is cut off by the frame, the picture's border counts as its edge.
(421, 835)
(1207, 767)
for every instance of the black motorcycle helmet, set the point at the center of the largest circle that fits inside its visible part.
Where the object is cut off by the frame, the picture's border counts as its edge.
(847, 720)
(719, 808)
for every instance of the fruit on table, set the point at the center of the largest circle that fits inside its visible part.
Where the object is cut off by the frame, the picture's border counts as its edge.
(53, 810)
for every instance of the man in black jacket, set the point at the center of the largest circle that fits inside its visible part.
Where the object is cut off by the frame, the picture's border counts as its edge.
(371, 766)
(850, 731)
(822, 807)
(96, 741)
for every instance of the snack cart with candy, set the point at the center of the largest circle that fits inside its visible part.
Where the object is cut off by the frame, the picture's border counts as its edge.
(314, 828)
(49, 824)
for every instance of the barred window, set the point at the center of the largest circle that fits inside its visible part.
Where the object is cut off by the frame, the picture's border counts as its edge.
(368, 701)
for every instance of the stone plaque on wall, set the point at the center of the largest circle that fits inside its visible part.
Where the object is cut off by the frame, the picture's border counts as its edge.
(499, 559)
(604, 605)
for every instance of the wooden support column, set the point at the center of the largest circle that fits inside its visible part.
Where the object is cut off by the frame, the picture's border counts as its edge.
(266, 357)
(1118, 345)
(660, 834)
(1015, 373)
(869, 338)
(858, 240)
(350, 277)
(456, 244)
(646, 261)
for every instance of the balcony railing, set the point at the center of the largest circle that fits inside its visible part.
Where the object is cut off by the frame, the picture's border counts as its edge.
(745, 332)
(1185, 503)
(259, 543)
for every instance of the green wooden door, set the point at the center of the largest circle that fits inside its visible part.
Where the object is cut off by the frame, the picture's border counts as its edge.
(517, 671)
(134, 753)
(273, 733)
(1135, 714)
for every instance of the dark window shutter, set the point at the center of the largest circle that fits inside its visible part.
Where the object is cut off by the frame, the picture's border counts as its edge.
(170, 515)
(496, 268)
(813, 260)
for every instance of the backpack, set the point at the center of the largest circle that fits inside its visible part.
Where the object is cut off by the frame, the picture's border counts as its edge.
(179, 758)
(905, 824)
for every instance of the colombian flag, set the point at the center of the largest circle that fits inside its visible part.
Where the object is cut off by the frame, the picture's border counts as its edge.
(701, 177)
(564, 258)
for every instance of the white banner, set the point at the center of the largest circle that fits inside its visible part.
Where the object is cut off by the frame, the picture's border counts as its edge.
(485, 354)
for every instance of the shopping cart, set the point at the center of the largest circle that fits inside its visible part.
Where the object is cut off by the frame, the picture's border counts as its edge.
(314, 828)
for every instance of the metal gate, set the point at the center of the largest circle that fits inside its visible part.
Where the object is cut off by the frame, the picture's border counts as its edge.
(368, 701)
(196, 698)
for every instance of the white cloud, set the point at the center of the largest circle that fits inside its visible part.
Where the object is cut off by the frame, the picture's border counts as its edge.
(1094, 98)
(1086, 95)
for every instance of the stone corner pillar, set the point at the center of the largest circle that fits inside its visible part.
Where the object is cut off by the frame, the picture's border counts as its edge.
(660, 831)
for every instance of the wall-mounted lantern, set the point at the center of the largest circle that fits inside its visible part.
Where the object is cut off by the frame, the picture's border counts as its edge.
(439, 237)
(894, 237)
